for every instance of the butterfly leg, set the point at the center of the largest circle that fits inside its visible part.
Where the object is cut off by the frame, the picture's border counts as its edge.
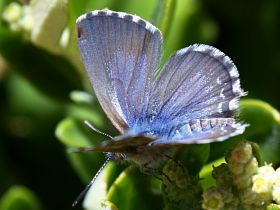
(175, 161)
(155, 172)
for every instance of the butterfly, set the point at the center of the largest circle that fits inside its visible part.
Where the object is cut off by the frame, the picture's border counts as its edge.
(192, 100)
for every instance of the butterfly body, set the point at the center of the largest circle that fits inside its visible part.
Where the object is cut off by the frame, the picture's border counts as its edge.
(192, 100)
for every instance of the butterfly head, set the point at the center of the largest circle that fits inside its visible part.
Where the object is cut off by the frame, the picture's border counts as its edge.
(116, 156)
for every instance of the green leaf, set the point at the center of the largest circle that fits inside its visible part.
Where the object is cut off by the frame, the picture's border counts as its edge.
(70, 133)
(51, 74)
(92, 113)
(143, 8)
(94, 199)
(184, 10)
(86, 164)
(194, 157)
(76, 8)
(81, 97)
(19, 198)
(163, 15)
(264, 129)
(189, 25)
(260, 115)
(206, 173)
(133, 190)
(73, 133)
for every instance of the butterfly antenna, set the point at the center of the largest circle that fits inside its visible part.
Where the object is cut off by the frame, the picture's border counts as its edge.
(81, 195)
(96, 130)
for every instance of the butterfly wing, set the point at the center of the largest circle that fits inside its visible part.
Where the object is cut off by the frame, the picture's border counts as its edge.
(197, 82)
(120, 52)
(201, 131)
(119, 144)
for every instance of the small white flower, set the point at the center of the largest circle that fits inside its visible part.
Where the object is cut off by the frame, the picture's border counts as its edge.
(12, 13)
(263, 183)
(276, 194)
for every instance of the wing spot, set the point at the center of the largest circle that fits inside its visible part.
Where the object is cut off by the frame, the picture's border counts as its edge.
(89, 15)
(102, 12)
(142, 23)
(195, 125)
(115, 14)
(128, 17)
(80, 32)
(122, 15)
(157, 33)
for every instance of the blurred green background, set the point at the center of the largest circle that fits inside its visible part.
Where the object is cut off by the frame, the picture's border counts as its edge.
(45, 94)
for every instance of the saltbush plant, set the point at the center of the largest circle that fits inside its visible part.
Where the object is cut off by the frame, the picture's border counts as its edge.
(49, 93)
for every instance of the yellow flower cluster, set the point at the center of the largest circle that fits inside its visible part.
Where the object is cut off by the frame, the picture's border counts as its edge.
(242, 185)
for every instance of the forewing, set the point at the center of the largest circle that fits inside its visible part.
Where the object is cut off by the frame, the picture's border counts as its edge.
(197, 82)
(121, 53)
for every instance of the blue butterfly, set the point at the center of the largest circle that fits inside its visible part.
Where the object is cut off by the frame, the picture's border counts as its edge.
(191, 101)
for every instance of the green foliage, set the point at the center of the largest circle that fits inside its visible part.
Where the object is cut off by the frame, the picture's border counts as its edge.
(19, 197)
(163, 15)
(123, 194)
(264, 121)
(21, 56)
(45, 90)
(180, 189)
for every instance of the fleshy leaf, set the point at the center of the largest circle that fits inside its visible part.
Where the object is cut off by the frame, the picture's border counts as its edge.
(81, 97)
(97, 195)
(91, 112)
(189, 25)
(69, 133)
(72, 133)
(132, 190)
(205, 174)
(261, 116)
(86, 164)
(193, 157)
(264, 129)
(39, 66)
(163, 15)
(19, 197)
